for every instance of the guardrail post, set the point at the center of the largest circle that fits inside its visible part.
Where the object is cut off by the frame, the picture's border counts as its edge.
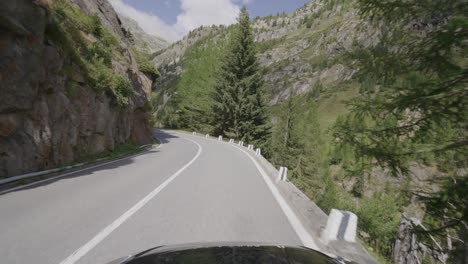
(231, 141)
(282, 174)
(207, 135)
(258, 152)
(194, 133)
(341, 225)
(220, 138)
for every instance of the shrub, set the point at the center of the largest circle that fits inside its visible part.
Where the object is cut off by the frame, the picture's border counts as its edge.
(94, 26)
(149, 69)
(121, 90)
(98, 51)
(379, 216)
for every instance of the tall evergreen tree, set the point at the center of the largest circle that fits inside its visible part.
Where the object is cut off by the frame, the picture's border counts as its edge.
(297, 143)
(240, 109)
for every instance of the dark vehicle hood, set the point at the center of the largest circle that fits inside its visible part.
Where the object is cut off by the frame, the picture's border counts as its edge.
(229, 253)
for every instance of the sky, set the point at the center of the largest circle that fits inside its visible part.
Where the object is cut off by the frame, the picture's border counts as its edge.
(173, 19)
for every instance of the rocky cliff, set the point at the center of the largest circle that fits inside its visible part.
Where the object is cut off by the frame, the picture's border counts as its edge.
(69, 85)
(143, 41)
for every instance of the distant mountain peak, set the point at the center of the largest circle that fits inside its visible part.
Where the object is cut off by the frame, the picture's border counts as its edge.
(143, 41)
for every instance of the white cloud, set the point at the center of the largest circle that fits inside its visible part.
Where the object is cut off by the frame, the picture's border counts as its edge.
(194, 13)
(245, 2)
(206, 12)
(148, 22)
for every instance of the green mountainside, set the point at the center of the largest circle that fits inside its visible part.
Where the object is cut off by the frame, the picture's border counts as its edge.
(300, 54)
(313, 62)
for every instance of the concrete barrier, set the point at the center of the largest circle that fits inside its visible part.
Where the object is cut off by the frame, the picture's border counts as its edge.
(241, 143)
(231, 141)
(258, 152)
(220, 138)
(207, 135)
(194, 133)
(282, 174)
(341, 225)
(250, 147)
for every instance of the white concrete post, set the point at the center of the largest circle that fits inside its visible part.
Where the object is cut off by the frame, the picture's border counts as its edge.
(207, 135)
(282, 174)
(231, 141)
(285, 174)
(341, 225)
(194, 133)
(220, 138)
(258, 152)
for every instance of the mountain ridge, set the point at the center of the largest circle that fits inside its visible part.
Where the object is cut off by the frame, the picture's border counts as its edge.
(143, 41)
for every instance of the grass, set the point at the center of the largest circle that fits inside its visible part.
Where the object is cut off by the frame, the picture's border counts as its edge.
(378, 257)
(90, 46)
(330, 108)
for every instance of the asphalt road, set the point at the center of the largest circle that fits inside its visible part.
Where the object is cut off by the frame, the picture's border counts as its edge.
(190, 189)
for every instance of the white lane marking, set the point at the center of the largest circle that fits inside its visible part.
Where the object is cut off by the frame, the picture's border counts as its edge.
(72, 172)
(78, 254)
(298, 227)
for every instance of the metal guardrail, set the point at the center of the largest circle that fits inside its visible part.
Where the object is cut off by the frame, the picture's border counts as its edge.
(45, 172)
(39, 173)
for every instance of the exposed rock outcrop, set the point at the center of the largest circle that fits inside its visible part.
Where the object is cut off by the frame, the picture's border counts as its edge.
(50, 116)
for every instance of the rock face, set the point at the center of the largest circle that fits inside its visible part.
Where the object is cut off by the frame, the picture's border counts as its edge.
(144, 42)
(45, 119)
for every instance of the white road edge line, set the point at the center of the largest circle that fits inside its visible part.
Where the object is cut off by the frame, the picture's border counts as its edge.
(298, 227)
(72, 172)
(78, 254)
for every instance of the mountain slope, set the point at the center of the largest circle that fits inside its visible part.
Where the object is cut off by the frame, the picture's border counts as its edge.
(143, 41)
(300, 52)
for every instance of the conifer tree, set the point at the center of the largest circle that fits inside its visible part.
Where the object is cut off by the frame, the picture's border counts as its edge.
(240, 109)
(413, 107)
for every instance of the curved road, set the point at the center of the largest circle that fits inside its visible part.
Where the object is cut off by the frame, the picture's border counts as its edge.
(190, 189)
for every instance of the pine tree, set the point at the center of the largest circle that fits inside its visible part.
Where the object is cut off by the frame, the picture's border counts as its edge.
(240, 109)
(413, 105)
(297, 143)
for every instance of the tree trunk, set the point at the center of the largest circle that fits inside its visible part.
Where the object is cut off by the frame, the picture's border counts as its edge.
(405, 248)
(461, 252)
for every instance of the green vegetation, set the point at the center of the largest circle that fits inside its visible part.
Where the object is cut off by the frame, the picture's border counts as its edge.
(145, 65)
(91, 47)
(406, 109)
(240, 109)
(412, 108)
(190, 103)
(298, 143)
